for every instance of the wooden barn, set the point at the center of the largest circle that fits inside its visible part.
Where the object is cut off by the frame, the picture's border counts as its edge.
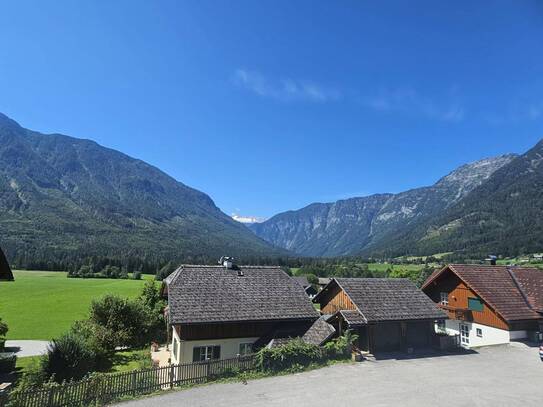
(5, 270)
(488, 305)
(388, 314)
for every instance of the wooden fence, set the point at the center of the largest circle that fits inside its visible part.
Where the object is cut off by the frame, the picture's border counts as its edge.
(106, 388)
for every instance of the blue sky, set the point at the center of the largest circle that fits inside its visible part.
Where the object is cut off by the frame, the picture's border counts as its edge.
(271, 105)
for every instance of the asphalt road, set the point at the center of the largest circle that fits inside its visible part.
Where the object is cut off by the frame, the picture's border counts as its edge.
(494, 376)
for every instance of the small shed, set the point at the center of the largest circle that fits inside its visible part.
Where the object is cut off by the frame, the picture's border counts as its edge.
(5, 270)
(387, 314)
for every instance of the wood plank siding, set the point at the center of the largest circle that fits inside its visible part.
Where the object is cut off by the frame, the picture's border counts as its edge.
(458, 294)
(239, 330)
(335, 300)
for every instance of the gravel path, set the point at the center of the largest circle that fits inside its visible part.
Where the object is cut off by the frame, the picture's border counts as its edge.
(27, 348)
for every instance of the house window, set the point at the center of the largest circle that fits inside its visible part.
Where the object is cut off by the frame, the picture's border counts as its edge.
(245, 348)
(479, 332)
(444, 298)
(203, 353)
(475, 304)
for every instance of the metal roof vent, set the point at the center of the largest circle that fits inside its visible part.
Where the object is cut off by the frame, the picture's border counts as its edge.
(240, 273)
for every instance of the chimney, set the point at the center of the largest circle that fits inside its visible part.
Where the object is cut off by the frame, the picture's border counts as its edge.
(227, 262)
(492, 259)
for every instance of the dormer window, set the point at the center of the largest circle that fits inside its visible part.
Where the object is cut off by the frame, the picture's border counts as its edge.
(444, 298)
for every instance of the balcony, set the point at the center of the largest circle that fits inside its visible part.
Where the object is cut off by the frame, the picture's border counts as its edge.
(462, 314)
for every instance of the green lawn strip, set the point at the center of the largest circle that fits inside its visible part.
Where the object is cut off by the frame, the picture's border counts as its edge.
(43, 305)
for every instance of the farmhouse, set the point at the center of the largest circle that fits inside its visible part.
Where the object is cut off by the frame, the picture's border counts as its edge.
(388, 314)
(5, 270)
(219, 312)
(488, 305)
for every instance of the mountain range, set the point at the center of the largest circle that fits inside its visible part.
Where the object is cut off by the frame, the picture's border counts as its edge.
(489, 206)
(63, 197)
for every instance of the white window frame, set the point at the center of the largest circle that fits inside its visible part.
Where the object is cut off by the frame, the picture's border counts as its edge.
(248, 348)
(464, 334)
(479, 332)
(208, 352)
(444, 298)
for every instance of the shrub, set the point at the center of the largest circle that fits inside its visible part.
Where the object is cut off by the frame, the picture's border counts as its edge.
(68, 357)
(340, 348)
(7, 362)
(136, 275)
(119, 322)
(293, 354)
(3, 331)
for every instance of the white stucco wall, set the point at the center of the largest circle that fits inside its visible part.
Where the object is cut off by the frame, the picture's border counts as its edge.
(490, 335)
(229, 347)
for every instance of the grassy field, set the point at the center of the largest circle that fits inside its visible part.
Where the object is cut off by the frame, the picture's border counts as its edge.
(43, 305)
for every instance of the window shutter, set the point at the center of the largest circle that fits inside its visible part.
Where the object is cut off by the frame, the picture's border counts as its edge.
(216, 352)
(196, 354)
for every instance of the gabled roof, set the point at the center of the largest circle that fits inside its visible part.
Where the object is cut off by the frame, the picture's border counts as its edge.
(302, 280)
(319, 332)
(210, 294)
(516, 293)
(385, 299)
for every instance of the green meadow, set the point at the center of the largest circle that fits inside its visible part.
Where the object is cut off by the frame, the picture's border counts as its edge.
(43, 305)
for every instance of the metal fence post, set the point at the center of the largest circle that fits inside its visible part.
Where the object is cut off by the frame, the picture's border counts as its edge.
(171, 376)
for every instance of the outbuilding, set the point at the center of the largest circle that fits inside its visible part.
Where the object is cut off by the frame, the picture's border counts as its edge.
(387, 314)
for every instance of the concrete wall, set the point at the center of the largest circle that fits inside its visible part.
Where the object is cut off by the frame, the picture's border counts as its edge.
(229, 347)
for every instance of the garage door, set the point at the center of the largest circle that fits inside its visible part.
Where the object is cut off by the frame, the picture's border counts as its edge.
(417, 334)
(387, 336)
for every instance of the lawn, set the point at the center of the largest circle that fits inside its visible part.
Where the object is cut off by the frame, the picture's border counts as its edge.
(43, 305)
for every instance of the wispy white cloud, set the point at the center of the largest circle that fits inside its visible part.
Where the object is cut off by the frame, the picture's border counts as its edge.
(285, 89)
(408, 100)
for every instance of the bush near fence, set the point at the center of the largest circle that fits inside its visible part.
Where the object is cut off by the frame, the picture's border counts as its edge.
(101, 389)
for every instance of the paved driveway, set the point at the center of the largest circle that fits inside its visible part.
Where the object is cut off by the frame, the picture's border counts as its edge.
(27, 348)
(494, 376)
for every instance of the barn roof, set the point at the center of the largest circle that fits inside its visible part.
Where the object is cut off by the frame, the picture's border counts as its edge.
(319, 332)
(210, 294)
(516, 293)
(5, 270)
(302, 280)
(385, 299)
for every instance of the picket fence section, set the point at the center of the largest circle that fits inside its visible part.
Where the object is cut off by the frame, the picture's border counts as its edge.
(104, 389)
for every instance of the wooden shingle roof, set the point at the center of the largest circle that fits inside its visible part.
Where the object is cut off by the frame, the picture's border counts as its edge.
(319, 332)
(210, 294)
(516, 293)
(388, 299)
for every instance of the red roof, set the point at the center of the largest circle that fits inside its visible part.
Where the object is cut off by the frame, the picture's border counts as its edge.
(516, 293)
